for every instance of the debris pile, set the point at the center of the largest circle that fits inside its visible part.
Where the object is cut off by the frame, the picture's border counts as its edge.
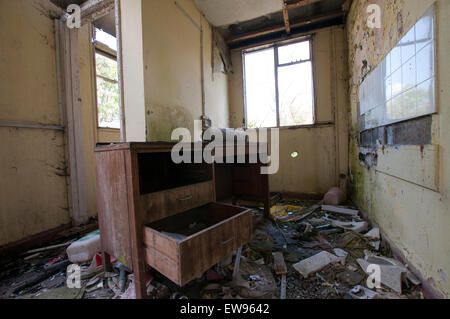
(306, 251)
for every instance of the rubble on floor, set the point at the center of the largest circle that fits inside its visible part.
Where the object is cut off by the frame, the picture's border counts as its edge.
(307, 251)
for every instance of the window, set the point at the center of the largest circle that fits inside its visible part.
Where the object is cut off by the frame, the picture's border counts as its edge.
(279, 86)
(401, 88)
(107, 81)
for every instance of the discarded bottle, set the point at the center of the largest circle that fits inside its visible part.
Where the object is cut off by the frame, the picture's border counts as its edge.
(84, 249)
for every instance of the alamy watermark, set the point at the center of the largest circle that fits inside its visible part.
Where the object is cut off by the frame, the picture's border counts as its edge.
(374, 18)
(235, 145)
(74, 16)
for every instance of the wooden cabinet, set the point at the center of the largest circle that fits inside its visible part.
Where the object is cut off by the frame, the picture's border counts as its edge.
(165, 215)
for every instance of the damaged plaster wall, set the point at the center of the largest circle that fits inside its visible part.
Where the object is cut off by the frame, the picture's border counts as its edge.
(172, 70)
(33, 195)
(413, 217)
(33, 160)
(318, 167)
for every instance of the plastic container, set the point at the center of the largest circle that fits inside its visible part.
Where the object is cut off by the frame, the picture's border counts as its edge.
(84, 249)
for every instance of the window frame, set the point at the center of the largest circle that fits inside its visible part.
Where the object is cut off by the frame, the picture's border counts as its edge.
(102, 49)
(383, 129)
(275, 46)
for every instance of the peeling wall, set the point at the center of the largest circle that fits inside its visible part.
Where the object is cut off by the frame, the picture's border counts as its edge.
(318, 167)
(414, 218)
(33, 191)
(172, 70)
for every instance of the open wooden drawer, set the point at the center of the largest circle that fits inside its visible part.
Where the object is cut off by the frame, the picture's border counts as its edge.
(184, 246)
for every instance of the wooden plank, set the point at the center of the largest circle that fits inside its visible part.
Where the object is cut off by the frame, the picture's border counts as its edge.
(160, 205)
(136, 224)
(278, 263)
(118, 15)
(70, 94)
(162, 244)
(112, 203)
(286, 17)
(165, 265)
(283, 287)
(38, 250)
(237, 263)
(200, 252)
(301, 3)
(340, 210)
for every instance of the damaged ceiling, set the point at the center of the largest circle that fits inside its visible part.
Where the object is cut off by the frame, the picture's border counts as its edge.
(225, 12)
(304, 16)
(65, 3)
(107, 23)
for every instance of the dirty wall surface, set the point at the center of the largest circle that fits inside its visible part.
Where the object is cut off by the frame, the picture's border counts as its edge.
(413, 217)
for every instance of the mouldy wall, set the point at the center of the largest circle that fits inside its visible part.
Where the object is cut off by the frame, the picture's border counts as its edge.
(33, 195)
(415, 219)
(172, 70)
(318, 168)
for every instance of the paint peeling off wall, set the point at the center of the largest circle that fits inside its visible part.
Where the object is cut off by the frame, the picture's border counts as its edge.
(413, 215)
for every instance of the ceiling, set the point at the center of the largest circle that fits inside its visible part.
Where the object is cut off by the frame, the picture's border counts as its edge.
(65, 3)
(225, 12)
(302, 18)
(107, 23)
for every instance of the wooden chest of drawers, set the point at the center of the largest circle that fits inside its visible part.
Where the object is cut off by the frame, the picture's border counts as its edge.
(165, 215)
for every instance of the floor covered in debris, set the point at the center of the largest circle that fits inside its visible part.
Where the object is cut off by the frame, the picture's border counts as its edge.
(325, 255)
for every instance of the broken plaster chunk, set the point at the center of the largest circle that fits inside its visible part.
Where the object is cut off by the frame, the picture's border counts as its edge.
(360, 292)
(357, 227)
(315, 263)
(340, 210)
(375, 245)
(373, 234)
(341, 254)
(390, 273)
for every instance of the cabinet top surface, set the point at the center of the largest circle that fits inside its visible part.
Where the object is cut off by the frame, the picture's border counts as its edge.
(166, 146)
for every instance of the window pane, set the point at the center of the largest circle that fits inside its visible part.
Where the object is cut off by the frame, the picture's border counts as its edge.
(408, 81)
(296, 94)
(106, 67)
(105, 38)
(294, 52)
(260, 89)
(108, 104)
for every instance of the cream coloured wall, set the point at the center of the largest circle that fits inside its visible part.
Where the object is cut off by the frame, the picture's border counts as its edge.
(415, 219)
(172, 69)
(33, 191)
(32, 161)
(317, 168)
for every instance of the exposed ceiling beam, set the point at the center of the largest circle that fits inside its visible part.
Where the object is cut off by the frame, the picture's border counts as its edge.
(314, 19)
(286, 17)
(301, 3)
(347, 5)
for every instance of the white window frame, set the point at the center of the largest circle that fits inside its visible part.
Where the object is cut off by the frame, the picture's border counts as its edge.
(275, 46)
(100, 48)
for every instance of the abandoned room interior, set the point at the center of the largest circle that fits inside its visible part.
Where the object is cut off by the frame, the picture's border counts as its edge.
(224, 149)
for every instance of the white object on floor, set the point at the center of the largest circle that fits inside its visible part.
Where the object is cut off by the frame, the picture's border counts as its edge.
(84, 249)
(315, 263)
